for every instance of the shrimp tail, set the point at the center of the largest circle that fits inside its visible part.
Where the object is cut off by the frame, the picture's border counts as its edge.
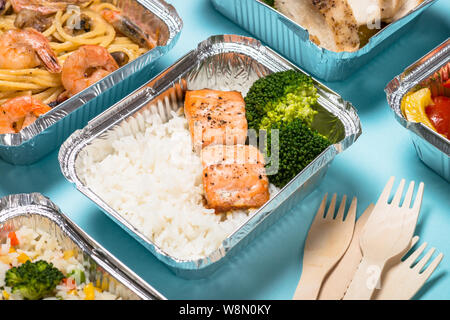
(44, 51)
(50, 60)
(128, 28)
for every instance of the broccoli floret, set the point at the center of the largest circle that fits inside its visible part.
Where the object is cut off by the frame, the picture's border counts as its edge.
(298, 146)
(33, 280)
(280, 97)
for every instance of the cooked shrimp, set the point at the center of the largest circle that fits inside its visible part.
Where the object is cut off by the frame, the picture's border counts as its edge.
(28, 48)
(18, 113)
(86, 66)
(127, 27)
(5, 124)
(43, 6)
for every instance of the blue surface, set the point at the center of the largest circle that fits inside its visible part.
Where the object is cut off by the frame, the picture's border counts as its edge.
(270, 266)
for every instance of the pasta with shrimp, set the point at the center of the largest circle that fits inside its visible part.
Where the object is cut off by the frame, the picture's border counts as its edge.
(53, 31)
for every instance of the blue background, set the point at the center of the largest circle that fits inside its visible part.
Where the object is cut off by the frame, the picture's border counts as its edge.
(270, 266)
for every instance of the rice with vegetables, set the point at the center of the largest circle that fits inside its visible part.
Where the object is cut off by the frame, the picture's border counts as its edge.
(33, 265)
(154, 180)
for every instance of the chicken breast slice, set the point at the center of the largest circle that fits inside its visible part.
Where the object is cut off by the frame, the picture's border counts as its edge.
(389, 8)
(330, 23)
(406, 7)
(366, 12)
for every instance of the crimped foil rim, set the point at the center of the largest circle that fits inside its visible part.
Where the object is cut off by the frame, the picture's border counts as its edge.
(411, 76)
(79, 139)
(24, 204)
(373, 41)
(166, 13)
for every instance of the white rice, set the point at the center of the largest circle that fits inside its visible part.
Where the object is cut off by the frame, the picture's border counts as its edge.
(154, 179)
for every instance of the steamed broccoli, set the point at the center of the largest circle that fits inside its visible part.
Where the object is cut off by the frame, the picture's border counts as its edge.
(298, 146)
(283, 101)
(33, 280)
(280, 97)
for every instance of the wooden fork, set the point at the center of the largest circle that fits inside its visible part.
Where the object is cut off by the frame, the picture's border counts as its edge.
(337, 281)
(387, 234)
(402, 280)
(326, 242)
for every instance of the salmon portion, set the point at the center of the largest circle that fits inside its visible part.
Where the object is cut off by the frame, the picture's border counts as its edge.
(231, 184)
(231, 154)
(215, 117)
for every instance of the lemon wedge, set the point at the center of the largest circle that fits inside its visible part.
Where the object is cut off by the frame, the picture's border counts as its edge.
(413, 106)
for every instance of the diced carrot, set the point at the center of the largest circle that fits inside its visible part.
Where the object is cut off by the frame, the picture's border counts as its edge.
(12, 236)
(69, 283)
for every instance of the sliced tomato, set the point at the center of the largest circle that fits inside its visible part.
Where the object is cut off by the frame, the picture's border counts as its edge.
(439, 114)
(447, 83)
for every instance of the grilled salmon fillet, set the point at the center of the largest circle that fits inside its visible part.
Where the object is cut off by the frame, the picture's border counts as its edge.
(232, 184)
(229, 154)
(215, 117)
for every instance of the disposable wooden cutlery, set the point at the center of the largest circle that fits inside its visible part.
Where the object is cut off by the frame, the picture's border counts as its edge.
(327, 240)
(402, 279)
(337, 281)
(387, 234)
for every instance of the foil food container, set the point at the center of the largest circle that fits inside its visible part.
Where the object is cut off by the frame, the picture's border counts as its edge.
(50, 130)
(226, 62)
(292, 40)
(36, 211)
(430, 71)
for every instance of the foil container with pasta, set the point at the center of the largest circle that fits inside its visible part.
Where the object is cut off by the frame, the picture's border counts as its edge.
(227, 62)
(36, 211)
(160, 22)
(431, 72)
(293, 41)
